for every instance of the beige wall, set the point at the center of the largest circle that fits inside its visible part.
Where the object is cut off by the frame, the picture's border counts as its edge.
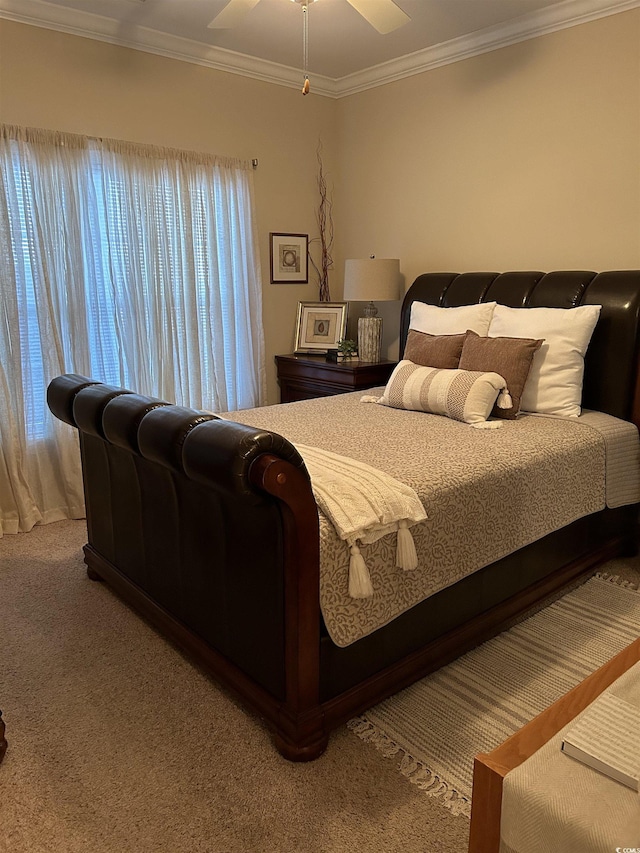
(62, 82)
(524, 158)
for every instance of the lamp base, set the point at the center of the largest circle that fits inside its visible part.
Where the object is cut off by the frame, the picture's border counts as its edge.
(369, 338)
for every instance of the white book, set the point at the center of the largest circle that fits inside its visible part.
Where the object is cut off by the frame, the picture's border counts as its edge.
(607, 738)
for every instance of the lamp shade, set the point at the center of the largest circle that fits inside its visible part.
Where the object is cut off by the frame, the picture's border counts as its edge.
(372, 280)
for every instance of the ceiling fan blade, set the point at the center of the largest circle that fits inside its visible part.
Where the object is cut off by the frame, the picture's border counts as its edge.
(383, 15)
(232, 14)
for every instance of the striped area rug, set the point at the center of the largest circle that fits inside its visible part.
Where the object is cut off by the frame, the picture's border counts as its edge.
(437, 726)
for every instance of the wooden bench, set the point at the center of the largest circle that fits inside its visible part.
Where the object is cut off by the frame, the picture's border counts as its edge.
(490, 768)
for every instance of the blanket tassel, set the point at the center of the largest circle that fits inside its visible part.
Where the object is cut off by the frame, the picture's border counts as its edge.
(359, 579)
(504, 400)
(406, 557)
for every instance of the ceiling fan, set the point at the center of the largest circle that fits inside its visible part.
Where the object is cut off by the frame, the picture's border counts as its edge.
(383, 15)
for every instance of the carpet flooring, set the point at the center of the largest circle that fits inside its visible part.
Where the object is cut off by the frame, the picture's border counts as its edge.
(119, 744)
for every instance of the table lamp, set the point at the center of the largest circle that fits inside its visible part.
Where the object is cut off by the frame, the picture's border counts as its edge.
(371, 280)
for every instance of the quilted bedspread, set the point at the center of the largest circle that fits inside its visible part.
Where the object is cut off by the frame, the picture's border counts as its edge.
(486, 492)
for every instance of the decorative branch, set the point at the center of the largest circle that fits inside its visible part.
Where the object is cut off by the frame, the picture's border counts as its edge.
(325, 226)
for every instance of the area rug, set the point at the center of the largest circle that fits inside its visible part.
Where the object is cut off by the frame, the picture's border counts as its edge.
(436, 726)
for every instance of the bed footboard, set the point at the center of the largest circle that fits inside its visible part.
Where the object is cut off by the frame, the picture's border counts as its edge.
(208, 528)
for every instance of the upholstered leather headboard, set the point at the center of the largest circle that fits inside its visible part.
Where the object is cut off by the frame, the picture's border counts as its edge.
(611, 364)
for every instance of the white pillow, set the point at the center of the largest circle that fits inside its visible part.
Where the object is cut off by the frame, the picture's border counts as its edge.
(554, 384)
(451, 321)
(463, 395)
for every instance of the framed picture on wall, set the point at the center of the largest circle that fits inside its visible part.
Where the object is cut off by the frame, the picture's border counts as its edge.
(289, 258)
(320, 326)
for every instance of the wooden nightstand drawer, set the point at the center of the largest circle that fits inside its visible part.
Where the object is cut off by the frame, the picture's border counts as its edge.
(302, 377)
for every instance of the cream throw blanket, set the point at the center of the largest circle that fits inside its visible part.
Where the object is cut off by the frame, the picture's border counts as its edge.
(363, 504)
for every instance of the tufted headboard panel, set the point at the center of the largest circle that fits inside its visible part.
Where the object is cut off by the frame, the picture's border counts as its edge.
(611, 365)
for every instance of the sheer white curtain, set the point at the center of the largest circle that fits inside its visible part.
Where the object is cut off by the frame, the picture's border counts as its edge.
(134, 265)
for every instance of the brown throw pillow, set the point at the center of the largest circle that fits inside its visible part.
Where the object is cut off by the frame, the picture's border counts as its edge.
(441, 351)
(509, 357)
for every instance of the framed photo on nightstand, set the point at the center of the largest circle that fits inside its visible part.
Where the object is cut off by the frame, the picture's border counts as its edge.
(320, 326)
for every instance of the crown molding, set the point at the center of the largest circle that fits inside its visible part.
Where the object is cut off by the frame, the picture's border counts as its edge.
(100, 28)
(561, 16)
(89, 25)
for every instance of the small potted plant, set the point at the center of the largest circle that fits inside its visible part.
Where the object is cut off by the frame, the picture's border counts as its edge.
(347, 348)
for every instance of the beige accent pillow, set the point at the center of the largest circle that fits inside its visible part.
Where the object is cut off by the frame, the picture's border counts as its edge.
(508, 357)
(441, 351)
(462, 395)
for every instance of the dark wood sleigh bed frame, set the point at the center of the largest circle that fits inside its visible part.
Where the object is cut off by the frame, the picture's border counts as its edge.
(210, 530)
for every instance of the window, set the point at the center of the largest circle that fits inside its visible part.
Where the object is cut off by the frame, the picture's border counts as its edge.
(134, 265)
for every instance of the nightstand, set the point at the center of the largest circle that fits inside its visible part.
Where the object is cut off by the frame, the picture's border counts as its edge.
(302, 377)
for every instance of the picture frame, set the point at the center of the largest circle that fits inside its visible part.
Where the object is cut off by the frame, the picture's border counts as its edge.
(289, 258)
(320, 326)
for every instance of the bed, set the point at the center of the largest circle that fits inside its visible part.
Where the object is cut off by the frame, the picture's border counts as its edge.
(209, 525)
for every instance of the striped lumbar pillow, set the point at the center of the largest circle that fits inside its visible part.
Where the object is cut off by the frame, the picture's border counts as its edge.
(464, 395)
